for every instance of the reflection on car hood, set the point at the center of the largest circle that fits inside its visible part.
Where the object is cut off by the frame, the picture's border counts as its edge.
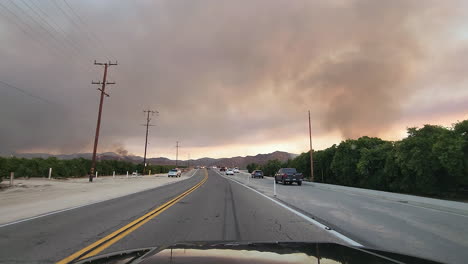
(262, 252)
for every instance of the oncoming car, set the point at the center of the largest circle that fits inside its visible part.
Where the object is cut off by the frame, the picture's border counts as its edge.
(174, 173)
(229, 172)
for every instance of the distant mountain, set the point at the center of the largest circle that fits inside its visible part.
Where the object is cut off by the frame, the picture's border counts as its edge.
(240, 162)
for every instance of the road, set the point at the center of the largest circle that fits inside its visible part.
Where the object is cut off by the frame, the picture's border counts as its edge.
(219, 209)
(209, 206)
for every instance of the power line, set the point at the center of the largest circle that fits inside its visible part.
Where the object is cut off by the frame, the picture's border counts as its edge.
(86, 27)
(26, 93)
(67, 16)
(28, 31)
(43, 15)
(29, 34)
(39, 24)
(64, 13)
(61, 50)
(57, 28)
(72, 44)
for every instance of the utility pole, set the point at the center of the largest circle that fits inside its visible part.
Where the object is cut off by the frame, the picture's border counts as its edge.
(188, 161)
(311, 151)
(148, 119)
(98, 126)
(177, 153)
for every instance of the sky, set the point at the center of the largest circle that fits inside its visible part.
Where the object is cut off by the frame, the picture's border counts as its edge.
(228, 78)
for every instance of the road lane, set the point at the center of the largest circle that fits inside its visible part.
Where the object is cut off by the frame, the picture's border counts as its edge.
(223, 210)
(375, 222)
(54, 237)
(218, 210)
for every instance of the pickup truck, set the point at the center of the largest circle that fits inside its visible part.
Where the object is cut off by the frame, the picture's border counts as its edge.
(288, 176)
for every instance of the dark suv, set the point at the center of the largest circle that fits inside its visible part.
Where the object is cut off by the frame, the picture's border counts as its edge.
(257, 174)
(288, 176)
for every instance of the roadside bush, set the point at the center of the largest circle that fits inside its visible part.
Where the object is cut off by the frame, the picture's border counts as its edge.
(432, 161)
(38, 167)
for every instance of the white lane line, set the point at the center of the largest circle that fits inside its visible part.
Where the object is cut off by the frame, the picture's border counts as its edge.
(79, 206)
(313, 221)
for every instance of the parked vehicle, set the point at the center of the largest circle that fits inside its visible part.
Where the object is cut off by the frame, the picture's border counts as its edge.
(257, 174)
(174, 173)
(288, 176)
(229, 172)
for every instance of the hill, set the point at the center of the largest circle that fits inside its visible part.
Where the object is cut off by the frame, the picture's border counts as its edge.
(238, 161)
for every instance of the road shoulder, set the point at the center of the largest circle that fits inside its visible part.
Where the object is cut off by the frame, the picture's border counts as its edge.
(36, 198)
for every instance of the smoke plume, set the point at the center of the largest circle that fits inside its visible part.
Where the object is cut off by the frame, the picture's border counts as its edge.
(229, 72)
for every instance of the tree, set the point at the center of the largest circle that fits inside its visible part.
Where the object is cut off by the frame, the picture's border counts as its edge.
(301, 163)
(420, 166)
(371, 166)
(271, 167)
(460, 129)
(432, 160)
(252, 166)
(322, 164)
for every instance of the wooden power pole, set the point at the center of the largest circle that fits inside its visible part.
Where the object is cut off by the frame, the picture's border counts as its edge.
(177, 153)
(148, 119)
(98, 126)
(311, 152)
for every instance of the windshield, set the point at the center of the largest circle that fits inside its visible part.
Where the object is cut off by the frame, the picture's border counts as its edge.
(288, 171)
(137, 124)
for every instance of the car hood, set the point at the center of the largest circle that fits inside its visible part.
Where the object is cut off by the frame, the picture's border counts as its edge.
(258, 252)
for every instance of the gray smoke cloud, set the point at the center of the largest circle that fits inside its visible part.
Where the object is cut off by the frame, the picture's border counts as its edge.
(221, 72)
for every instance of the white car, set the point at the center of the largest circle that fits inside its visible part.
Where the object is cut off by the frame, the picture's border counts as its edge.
(229, 172)
(236, 170)
(174, 173)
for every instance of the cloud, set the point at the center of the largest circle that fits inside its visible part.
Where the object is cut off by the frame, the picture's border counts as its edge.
(227, 72)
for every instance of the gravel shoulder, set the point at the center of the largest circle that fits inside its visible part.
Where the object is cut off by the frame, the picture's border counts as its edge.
(38, 196)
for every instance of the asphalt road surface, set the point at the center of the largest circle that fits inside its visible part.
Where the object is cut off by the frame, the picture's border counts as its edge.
(218, 209)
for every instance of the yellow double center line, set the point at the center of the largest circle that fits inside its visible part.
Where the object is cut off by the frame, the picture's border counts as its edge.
(105, 242)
